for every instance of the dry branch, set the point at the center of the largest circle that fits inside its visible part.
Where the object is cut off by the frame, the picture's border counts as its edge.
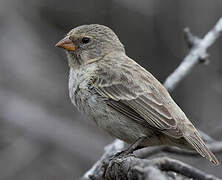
(215, 147)
(162, 168)
(198, 52)
(134, 168)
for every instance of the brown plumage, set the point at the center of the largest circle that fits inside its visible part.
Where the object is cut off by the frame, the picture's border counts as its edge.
(122, 97)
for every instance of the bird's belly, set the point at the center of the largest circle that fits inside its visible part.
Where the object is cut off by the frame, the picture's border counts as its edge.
(121, 128)
(106, 118)
(111, 121)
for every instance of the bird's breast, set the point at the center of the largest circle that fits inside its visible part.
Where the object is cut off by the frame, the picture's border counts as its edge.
(95, 107)
(81, 94)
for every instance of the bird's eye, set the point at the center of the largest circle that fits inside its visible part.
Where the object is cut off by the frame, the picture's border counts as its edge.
(85, 40)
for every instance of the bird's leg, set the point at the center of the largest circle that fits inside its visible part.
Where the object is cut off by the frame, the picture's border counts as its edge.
(133, 147)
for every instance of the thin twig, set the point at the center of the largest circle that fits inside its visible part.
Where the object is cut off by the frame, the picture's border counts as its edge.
(168, 164)
(215, 147)
(199, 51)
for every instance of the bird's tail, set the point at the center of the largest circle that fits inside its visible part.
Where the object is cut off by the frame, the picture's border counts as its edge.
(199, 145)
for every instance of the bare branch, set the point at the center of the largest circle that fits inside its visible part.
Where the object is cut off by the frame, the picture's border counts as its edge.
(110, 150)
(190, 39)
(215, 147)
(198, 51)
(131, 167)
(168, 164)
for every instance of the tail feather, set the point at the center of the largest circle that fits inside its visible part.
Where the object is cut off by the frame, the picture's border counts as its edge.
(198, 144)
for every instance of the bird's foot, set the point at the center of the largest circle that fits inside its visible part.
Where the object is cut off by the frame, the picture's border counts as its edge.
(124, 153)
(121, 154)
(129, 151)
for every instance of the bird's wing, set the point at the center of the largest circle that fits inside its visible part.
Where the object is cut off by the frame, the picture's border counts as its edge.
(133, 94)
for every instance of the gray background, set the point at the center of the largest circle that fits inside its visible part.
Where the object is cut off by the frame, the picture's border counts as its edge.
(42, 136)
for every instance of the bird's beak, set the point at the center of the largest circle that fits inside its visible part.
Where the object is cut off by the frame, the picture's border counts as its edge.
(66, 44)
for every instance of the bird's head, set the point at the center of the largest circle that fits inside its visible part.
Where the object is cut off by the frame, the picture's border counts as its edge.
(88, 42)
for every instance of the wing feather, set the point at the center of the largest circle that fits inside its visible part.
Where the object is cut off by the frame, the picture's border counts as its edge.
(136, 100)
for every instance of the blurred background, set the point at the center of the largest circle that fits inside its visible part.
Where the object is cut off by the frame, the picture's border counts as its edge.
(42, 136)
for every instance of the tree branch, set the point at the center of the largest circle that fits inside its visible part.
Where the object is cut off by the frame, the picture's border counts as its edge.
(215, 147)
(131, 167)
(198, 52)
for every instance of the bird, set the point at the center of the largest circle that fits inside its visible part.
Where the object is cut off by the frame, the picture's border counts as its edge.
(122, 97)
